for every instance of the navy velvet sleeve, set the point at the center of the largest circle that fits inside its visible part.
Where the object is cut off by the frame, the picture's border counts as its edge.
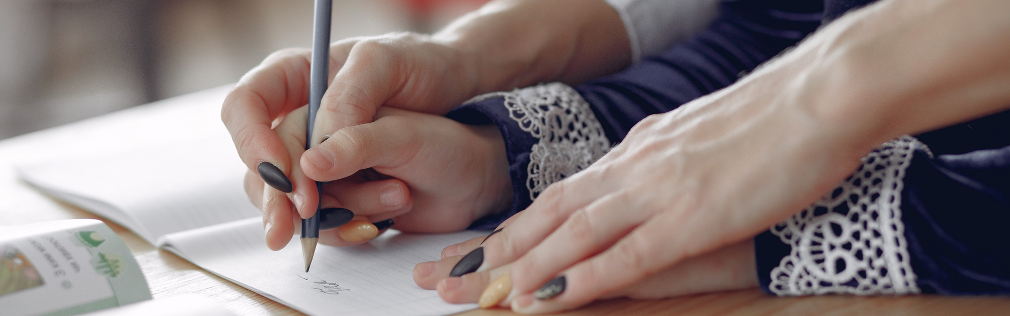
(745, 34)
(955, 210)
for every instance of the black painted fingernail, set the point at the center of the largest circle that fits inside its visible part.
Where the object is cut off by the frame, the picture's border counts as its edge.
(324, 139)
(330, 218)
(491, 234)
(551, 289)
(470, 263)
(274, 177)
(383, 224)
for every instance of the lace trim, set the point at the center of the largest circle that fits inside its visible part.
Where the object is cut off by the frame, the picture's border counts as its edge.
(570, 136)
(852, 240)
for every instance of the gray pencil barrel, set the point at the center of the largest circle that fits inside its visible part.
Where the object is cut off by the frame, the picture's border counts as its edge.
(318, 77)
(319, 71)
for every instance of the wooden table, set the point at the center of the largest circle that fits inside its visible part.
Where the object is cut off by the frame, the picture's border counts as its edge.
(170, 275)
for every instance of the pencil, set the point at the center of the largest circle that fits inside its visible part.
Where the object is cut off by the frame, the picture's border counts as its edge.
(318, 75)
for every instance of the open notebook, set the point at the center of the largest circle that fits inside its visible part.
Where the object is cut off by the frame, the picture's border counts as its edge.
(177, 182)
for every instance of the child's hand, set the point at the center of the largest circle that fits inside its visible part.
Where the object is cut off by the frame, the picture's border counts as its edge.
(431, 174)
(401, 70)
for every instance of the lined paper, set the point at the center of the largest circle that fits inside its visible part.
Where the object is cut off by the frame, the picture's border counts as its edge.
(371, 279)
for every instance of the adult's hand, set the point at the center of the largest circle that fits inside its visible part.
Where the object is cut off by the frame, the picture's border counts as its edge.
(442, 174)
(504, 45)
(729, 268)
(725, 167)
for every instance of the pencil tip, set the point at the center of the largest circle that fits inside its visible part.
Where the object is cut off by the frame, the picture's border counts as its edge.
(308, 250)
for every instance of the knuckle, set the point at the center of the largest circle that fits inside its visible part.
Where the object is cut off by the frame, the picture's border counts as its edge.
(603, 172)
(510, 249)
(348, 139)
(632, 253)
(375, 48)
(554, 195)
(244, 140)
(284, 54)
(580, 226)
(645, 124)
(352, 101)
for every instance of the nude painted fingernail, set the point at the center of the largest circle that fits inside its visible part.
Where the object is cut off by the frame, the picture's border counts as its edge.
(522, 302)
(317, 159)
(427, 268)
(551, 289)
(452, 283)
(451, 251)
(496, 291)
(330, 218)
(267, 227)
(469, 263)
(391, 197)
(273, 176)
(355, 231)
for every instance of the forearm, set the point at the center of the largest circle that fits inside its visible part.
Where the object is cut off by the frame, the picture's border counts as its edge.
(516, 43)
(905, 67)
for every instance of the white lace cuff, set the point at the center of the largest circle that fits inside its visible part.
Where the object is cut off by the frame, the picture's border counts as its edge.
(852, 240)
(570, 138)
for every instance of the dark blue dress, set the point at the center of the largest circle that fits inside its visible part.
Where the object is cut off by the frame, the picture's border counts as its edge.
(955, 201)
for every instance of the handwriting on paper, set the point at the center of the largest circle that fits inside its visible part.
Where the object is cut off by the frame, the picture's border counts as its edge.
(324, 287)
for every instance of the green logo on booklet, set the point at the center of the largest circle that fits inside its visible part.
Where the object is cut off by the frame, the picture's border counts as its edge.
(91, 238)
(109, 264)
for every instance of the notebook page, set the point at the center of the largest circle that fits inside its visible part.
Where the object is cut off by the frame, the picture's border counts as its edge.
(165, 190)
(172, 167)
(371, 279)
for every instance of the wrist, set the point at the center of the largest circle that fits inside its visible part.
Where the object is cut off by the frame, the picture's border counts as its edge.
(836, 77)
(498, 195)
(516, 43)
(896, 71)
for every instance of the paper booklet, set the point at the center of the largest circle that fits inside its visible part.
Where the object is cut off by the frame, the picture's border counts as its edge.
(183, 192)
(66, 267)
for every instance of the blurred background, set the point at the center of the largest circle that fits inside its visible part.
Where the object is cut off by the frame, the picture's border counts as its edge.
(66, 60)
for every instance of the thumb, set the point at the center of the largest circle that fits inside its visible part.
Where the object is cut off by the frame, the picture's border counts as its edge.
(361, 86)
(390, 141)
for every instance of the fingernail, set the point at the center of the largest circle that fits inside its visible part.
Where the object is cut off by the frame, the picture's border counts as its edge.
(324, 139)
(298, 199)
(491, 234)
(451, 251)
(452, 283)
(317, 159)
(496, 291)
(355, 231)
(267, 227)
(380, 225)
(551, 289)
(330, 218)
(469, 263)
(427, 268)
(391, 197)
(521, 302)
(274, 177)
